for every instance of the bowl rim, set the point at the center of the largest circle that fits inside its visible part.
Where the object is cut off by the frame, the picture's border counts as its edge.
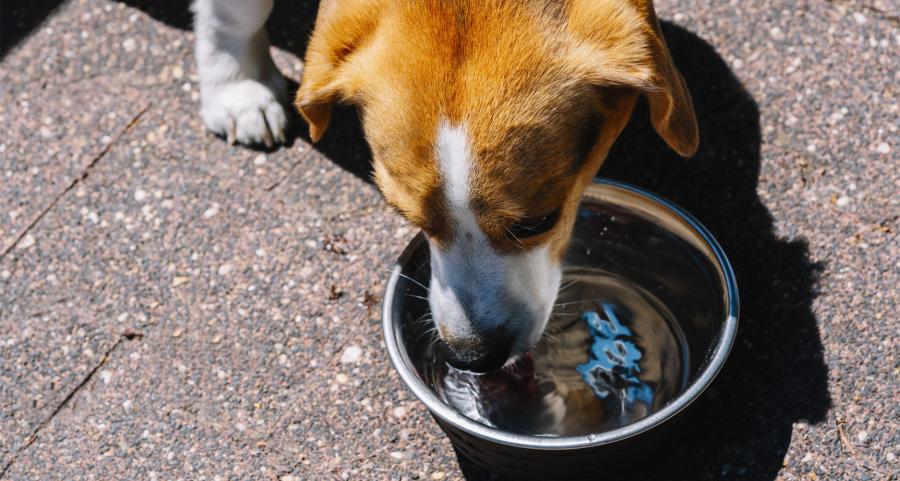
(713, 366)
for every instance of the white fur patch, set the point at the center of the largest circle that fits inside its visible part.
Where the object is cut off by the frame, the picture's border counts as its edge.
(473, 286)
(454, 155)
(241, 91)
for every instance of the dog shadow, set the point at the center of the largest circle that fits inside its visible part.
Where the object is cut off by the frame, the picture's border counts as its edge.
(776, 374)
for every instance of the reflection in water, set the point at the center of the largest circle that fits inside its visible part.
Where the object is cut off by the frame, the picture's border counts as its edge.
(613, 368)
(612, 354)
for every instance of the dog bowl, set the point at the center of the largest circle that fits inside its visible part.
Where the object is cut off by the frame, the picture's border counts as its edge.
(625, 232)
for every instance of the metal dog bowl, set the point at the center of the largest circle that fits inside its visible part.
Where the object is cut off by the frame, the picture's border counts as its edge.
(645, 239)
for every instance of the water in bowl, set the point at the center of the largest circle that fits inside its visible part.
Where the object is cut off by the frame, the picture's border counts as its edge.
(612, 354)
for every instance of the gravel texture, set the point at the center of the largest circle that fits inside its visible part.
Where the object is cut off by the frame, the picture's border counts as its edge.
(175, 308)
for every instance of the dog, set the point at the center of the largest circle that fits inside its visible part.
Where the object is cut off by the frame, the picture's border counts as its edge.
(486, 121)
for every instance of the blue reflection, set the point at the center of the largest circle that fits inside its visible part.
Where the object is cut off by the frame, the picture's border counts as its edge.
(613, 367)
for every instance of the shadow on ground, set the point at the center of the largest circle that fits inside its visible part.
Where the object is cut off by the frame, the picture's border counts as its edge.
(776, 375)
(18, 19)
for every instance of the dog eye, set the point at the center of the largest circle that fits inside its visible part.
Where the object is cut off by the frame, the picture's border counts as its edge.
(530, 227)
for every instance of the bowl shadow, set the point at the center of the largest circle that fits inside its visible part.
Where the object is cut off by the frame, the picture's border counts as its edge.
(776, 374)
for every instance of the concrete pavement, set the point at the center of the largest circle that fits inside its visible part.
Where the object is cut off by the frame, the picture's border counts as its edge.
(175, 308)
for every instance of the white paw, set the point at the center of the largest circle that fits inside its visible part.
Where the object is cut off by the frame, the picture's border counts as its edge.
(246, 111)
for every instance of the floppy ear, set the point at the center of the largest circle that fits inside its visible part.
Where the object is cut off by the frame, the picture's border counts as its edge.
(341, 29)
(627, 47)
(671, 107)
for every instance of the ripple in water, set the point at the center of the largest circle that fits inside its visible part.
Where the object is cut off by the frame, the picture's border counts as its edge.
(612, 354)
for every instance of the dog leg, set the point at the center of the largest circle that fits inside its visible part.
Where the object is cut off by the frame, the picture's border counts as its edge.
(242, 93)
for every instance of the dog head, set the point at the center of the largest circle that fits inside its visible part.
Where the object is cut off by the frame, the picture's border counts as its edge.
(486, 122)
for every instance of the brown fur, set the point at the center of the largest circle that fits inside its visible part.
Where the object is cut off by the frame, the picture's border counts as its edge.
(543, 88)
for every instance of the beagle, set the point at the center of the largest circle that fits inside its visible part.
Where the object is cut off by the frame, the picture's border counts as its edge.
(486, 121)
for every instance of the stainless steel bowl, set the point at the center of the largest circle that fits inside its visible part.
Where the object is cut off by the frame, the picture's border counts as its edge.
(647, 240)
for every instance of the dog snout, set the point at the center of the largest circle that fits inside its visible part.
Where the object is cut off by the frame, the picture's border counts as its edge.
(483, 352)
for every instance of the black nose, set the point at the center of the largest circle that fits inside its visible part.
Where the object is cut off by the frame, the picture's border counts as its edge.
(485, 352)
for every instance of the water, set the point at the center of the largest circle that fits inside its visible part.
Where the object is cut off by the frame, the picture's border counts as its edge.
(612, 354)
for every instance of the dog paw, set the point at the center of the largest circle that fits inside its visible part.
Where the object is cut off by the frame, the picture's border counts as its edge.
(246, 111)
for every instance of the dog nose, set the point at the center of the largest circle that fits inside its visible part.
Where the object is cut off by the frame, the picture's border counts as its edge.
(486, 352)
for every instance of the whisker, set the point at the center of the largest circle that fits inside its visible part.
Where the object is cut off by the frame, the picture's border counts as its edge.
(423, 286)
(566, 286)
(422, 320)
(430, 332)
(434, 341)
(415, 296)
(514, 237)
(551, 337)
(563, 304)
(421, 267)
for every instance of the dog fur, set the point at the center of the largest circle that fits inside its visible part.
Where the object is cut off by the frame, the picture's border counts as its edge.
(485, 119)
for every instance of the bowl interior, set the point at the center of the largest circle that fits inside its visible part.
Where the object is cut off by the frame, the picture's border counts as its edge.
(620, 230)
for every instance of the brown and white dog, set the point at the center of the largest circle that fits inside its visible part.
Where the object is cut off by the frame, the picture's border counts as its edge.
(486, 120)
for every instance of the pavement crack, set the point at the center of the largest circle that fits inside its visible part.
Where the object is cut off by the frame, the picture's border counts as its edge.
(846, 445)
(85, 172)
(126, 336)
(287, 174)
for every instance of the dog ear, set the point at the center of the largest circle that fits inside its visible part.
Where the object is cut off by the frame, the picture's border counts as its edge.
(626, 47)
(341, 29)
